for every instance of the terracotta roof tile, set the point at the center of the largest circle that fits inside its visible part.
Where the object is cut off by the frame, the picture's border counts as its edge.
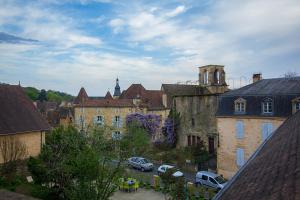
(18, 114)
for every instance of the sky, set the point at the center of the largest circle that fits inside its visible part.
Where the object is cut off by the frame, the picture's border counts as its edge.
(66, 44)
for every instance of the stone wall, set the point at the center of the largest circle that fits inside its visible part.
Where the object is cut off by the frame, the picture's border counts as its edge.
(228, 142)
(201, 110)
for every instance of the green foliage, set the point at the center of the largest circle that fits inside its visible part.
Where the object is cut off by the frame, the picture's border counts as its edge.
(50, 95)
(32, 93)
(77, 166)
(136, 141)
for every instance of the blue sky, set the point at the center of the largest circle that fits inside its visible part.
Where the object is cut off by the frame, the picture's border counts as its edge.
(91, 42)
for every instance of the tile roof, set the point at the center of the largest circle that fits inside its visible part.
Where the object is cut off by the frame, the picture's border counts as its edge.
(107, 103)
(281, 90)
(108, 95)
(272, 172)
(82, 95)
(18, 114)
(274, 86)
(149, 98)
(183, 90)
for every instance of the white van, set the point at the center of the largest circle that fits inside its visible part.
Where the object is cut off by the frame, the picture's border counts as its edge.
(210, 179)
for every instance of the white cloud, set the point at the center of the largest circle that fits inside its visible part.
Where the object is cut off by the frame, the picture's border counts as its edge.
(116, 24)
(178, 10)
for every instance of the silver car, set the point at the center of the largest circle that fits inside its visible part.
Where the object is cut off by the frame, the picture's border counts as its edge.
(140, 163)
(210, 179)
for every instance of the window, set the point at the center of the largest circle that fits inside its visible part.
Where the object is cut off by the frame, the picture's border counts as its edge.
(267, 106)
(99, 120)
(205, 78)
(240, 157)
(296, 105)
(204, 177)
(217, 77)
(116, 135)
(189, 140)
(193, 140)
(240, 106)
(239, 128)
(116, 121)
(193, 122)
(267, 129)
(212, 181)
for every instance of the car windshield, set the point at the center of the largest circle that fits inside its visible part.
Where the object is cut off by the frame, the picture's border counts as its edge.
(220, 179)
(144, 161)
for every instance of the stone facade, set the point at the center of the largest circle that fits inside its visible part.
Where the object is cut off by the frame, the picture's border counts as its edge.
(32, 140)
(197, 119)
(229, 143)
(197, 105)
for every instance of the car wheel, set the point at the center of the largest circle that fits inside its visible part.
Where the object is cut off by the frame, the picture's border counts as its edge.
(142, 169)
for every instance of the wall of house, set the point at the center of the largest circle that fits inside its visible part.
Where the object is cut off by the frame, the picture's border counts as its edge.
(228, 141)
(32, 140)
(201, 110)
(110, 112)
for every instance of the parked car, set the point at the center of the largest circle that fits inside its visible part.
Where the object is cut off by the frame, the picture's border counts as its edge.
(210, 179)
(140, 163)
(163, 168)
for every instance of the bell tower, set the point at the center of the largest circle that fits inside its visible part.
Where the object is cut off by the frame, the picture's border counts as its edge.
(213, 78)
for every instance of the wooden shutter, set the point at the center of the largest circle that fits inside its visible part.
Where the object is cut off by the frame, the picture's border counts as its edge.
(264, 131)
(239, 129)
(240, 156)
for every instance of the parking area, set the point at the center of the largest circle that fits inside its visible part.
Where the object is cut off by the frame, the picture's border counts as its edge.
(140, 194)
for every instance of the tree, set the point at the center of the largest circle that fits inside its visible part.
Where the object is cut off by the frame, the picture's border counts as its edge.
(78, 166)
(170, 128)
(12, 151)
(290, 74)
(42, 96)
(136, 141)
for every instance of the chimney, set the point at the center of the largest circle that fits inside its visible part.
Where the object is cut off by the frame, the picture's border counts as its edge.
(256, 77)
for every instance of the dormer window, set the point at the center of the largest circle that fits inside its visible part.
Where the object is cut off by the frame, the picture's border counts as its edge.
(240, 106)
(296, 105)
(267, 106)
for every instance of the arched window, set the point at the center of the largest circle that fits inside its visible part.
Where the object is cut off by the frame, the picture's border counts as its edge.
(267, 106)
(217, 77)
(240, 106)
(205, 77)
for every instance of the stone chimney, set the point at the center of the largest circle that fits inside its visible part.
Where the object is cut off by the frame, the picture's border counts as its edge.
(256, 77)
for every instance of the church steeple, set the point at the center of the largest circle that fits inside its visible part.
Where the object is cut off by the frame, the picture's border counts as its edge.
(117, 91)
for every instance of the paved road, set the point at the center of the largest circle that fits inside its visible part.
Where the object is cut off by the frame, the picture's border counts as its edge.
(189, 177)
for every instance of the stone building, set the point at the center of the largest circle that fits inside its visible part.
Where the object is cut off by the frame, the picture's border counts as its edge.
(20, 119)
(112, 111)
(272, 171)
(247, 116)
(197, 105)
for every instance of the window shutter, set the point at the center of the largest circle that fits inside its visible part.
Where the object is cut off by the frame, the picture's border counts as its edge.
(264, 131)
(113, 121)
(120, 122)
(95, 120)
(270, 128)
(239, 129)
(102, 122)
(240, 157)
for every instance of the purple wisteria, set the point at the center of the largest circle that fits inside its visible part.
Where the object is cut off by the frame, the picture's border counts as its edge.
(169, 132)
(150, 122)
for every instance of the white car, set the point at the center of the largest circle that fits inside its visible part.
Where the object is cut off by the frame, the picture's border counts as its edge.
(210, 179)
(163, 168)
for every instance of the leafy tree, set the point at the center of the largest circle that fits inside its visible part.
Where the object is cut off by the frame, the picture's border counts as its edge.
(77, 166)
(136, 140)
(42, 96)
(32, 93)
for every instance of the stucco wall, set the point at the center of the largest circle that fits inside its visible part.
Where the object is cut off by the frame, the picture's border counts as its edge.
(202, 109)
(32, 140)
(228, 142)
(109, 112)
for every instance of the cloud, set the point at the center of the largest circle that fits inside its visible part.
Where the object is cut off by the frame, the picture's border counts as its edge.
(116, 24)
(178, 10)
